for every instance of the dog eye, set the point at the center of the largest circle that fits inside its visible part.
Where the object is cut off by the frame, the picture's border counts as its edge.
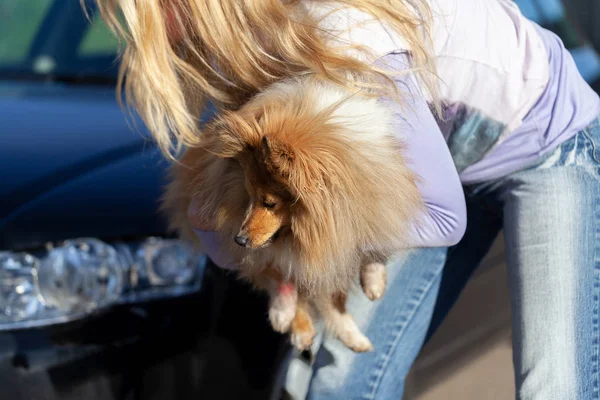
(269, 204)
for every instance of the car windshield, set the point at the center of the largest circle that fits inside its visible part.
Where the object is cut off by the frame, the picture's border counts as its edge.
(53, 40)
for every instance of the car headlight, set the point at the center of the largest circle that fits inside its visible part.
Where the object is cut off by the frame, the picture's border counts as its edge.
(83, 276)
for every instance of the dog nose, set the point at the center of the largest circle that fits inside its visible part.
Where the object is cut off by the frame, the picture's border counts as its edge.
(241, 240)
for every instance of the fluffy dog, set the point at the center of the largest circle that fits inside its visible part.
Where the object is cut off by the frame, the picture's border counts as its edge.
(308, 189)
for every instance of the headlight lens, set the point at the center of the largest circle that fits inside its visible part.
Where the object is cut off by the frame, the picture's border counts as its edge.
(19, 294)
(83, 276)
(167, 263)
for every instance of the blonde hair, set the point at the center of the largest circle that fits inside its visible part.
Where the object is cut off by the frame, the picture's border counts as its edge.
(231, 49)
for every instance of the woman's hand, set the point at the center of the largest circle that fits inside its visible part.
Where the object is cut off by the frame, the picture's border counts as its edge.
(209, 239)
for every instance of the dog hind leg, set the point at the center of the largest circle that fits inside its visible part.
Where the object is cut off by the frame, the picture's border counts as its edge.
(342, 325)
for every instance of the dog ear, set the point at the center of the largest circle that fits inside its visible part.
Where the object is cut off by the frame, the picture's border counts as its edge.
(226, 142)
(279, 158)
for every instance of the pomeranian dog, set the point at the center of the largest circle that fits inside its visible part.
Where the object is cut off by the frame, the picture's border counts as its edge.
(309, 191)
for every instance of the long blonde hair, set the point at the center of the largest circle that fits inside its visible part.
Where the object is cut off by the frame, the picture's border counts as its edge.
(231, 49)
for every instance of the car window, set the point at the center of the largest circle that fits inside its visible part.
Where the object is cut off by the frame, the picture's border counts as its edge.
(54, 40)
(19, 23)
(98, 40)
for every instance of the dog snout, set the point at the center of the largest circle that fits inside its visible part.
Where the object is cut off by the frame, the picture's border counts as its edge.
(241, 240)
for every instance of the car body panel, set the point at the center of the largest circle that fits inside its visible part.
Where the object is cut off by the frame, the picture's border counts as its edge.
(73, 166)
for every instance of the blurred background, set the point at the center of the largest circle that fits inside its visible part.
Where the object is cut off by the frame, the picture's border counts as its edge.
(97, 301)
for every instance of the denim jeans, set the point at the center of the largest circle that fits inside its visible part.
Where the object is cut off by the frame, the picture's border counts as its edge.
(550, 213)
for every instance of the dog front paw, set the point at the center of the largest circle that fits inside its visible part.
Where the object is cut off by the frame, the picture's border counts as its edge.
(282, 311)
(281, 319)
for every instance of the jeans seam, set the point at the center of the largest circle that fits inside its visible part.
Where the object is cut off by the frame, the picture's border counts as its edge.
(378, 375)
(595, 358)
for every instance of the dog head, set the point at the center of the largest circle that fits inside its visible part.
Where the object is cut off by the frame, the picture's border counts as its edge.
(300, 166)
(268, 213)
(240, 137)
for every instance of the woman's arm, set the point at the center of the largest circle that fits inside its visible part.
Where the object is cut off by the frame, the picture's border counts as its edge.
(427, 153)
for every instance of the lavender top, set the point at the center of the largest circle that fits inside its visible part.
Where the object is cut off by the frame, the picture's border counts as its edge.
(566, 106)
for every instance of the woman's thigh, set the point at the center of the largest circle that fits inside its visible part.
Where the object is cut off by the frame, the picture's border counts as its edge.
(396, 325)
(552, 235)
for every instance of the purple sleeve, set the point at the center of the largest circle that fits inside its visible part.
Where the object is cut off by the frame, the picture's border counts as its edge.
(444, 221)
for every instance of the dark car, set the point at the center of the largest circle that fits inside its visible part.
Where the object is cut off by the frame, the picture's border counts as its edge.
(97, 300)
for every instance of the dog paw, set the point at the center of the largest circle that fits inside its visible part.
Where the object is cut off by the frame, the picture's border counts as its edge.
(281, 314)
(358, 342)
(281, 319)
(352, 337)
(282, 308)
(373, 280)
(303, 340)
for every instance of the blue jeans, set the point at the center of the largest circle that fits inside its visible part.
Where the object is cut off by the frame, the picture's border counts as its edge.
(550, 214)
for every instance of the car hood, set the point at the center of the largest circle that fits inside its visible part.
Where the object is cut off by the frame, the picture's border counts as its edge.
(59, 146)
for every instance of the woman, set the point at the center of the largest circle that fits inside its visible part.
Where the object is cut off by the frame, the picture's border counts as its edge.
(498, 123)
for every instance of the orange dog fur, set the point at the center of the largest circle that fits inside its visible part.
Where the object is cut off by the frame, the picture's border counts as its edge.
(308, 189)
